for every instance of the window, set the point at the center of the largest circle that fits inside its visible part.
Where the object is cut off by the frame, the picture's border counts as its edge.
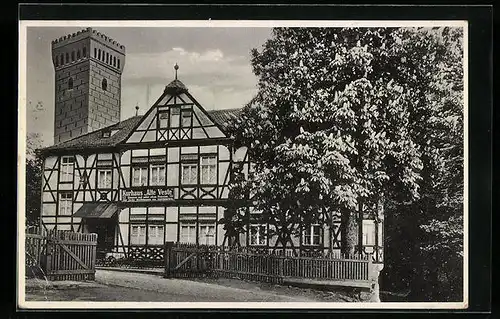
(368, 232)
(106, 133)
(208, 169)
(57, 61)
(70, 83)
(207, 235)
(95, 52)
(312, 235)
(258, 235)
(188, 233)
(65, 200)
(104, 84)
(84, 52)
(99, 54)
(139, 176)
(107, 57)
(157, 174)
(189, 173)
(104, 178)
(78, 55)
(138, 235)
(118, 63)
(67, 164)
(174, 116)
(114, 61)
(186, 118)
(163, 119)
(62, 59)
(155, 235)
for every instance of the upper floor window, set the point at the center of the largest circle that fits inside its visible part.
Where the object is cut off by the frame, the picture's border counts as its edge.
(186, 118)
(67, 166)
(57, 61)
(95, 52)
(155, 235)
(104, 178)
(99, 54)
(312, 235)
(84, 52)
(72, 56)
(62, 59)
(258, 235)
(114, 61)
(189, 173)
(208, 164)
(65, 203)
(207, 234)
(118, 63)
(188, 233)
(78, 55)
(104, 84)
(70, 83)
(139, 176)
(157, 174)
(106, 133)
(67, 57)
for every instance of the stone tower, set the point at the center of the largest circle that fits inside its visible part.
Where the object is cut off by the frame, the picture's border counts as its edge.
(88, 68)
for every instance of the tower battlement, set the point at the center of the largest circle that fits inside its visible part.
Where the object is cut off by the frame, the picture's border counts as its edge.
(86, 33)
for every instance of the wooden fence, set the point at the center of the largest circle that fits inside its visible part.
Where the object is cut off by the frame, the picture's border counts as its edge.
(189, 260)
(61, 255)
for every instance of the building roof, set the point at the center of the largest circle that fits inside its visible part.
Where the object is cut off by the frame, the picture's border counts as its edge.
(123, 129)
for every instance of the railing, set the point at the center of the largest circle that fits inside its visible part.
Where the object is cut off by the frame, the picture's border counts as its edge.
(190, 260)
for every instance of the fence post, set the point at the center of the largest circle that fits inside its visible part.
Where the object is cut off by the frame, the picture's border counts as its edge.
(168, 258)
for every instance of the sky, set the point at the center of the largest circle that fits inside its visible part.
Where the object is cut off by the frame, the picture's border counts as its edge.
(214, 63)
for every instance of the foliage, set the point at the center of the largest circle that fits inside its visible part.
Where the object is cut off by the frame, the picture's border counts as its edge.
(344, 116)
(33, 178)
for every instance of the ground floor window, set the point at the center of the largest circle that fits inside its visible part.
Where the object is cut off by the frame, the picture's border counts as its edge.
(207, 234)
(156, 235)
(188, 233)
(312, 236)
(258, 235)
(138, 235)
(368, 232)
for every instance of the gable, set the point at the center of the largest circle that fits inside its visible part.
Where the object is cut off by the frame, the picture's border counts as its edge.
(176, 116)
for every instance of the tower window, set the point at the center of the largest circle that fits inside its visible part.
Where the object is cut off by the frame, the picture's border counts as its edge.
(73, 56)
(62, 59)
(114, 61)
(57, 61)
(67, 57)
(118, 63)
(99, 54)
(107, 57)
(95, 52)
(104, 84)
(78, 55)
(70, 84)
(84, 52)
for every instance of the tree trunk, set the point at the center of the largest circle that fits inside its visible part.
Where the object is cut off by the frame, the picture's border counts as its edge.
(349, 232)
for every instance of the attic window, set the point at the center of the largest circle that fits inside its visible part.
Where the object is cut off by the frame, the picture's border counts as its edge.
(108, 133)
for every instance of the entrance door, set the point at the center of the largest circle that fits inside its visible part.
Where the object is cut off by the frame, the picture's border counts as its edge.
(105, 230)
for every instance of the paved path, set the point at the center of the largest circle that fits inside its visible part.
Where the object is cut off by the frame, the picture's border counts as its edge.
(185, 290)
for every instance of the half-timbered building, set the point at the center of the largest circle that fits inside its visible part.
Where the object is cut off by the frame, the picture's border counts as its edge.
(162, 176)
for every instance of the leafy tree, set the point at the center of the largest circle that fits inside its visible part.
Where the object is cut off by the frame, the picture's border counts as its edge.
(33, 178)
(346, 118)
